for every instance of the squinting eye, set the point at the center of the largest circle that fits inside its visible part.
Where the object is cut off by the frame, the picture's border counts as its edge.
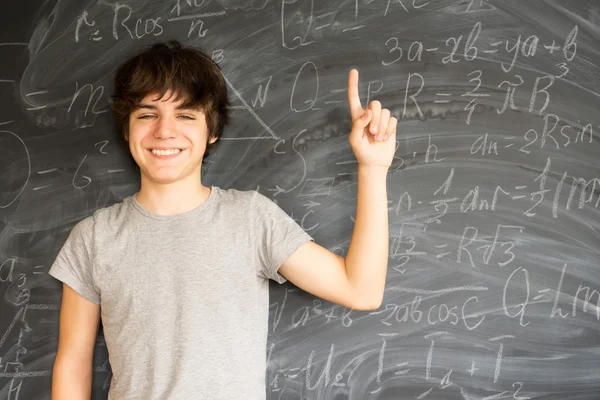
(186, 117)
(145, 116)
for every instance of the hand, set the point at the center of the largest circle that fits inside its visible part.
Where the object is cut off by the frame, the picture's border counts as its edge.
(373, 135)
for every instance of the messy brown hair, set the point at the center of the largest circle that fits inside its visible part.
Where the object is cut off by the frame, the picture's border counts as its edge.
(186, 71)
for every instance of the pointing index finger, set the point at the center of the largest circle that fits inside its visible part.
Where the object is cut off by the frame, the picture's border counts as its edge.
(356, 109)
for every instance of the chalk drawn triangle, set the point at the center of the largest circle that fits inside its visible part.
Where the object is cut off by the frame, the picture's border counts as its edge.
(269, 133)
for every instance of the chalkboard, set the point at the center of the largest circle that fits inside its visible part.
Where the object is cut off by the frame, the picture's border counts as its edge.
(493, 288)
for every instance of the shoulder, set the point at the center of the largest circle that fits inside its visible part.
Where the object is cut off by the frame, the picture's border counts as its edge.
(247, 204)
(113, 213)
(87, 231)
(103, 220)
(235, 197)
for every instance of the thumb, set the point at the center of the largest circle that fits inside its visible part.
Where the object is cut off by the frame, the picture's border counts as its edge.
(362, 121)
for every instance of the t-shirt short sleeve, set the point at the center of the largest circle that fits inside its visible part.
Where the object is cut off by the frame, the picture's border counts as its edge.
(73, 265)
(278, 236)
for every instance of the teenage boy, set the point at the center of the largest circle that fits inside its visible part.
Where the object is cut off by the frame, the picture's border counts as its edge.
(178, 273)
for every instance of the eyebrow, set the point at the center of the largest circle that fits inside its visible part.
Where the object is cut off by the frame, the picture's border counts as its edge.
(153, 107)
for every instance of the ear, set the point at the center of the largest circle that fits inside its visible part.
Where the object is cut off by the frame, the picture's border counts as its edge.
(212, 139)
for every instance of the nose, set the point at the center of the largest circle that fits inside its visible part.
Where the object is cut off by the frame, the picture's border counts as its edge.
(164, 129)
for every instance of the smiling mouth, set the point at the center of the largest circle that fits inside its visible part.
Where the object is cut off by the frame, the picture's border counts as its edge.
(165, 152)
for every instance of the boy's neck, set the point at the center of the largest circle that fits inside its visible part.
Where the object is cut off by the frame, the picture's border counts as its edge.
(172, 199)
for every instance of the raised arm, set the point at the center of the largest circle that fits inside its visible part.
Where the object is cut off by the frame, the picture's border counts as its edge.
(358, 280)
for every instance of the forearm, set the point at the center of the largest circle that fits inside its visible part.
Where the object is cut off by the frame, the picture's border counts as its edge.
(71, 381)
(367, 257)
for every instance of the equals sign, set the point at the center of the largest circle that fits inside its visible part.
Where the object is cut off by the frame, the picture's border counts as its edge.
(294, 374)
(36, 107)
(38, 272)
(403, 371)
(46, 171)
(495, 44)
(390, 205)
(509, 138)
(335, 101)
(539, 296)
(323, 16)
(443, 95)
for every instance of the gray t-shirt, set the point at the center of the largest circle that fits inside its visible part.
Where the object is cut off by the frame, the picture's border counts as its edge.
(184, 298)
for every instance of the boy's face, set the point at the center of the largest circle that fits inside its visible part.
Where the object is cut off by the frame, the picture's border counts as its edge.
(167, 142)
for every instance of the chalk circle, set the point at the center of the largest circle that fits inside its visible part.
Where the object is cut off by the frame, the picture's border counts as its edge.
(14, 160)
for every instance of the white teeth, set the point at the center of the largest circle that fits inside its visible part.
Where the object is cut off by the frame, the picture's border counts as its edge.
(165, 152)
